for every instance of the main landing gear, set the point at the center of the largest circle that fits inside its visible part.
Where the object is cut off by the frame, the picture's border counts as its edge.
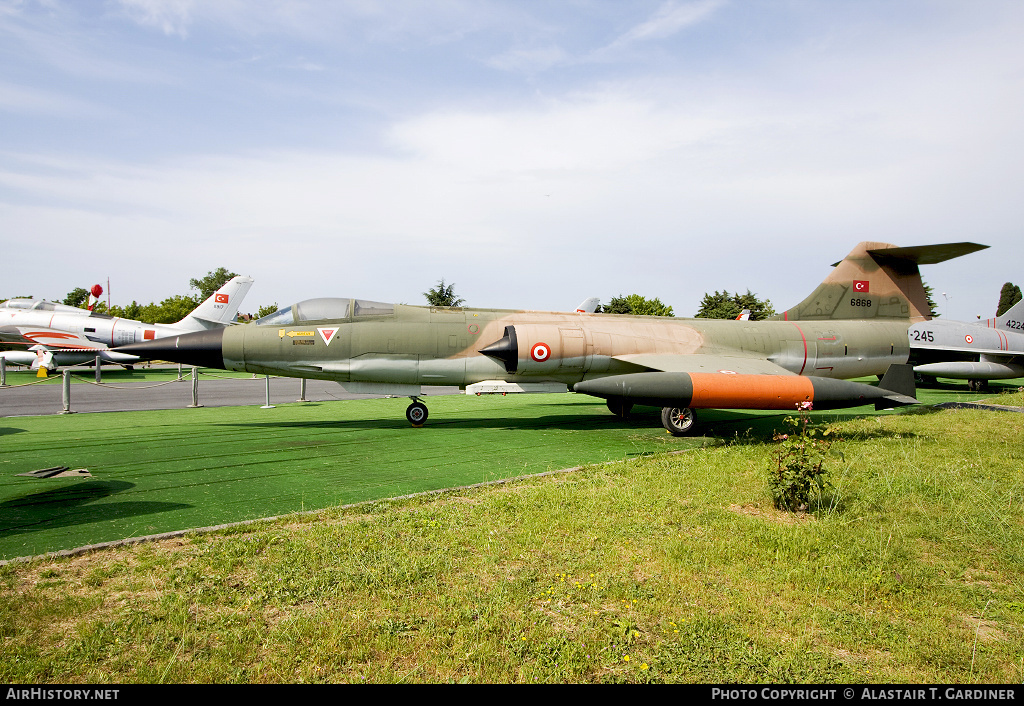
(416, 413)
(620, 408)
(678, 421)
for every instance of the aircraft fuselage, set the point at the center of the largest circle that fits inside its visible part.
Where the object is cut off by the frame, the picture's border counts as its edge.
(435, 346)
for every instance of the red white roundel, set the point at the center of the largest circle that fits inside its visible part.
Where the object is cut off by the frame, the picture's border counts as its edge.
(540, 352)
(969, 338)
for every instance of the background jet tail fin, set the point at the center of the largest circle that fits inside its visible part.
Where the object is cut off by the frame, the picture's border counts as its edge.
(1011, 319)
(877, 281)
(220, 309)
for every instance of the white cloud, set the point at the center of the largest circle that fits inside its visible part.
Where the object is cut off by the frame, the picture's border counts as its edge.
(169, 16)
(671, 18)
(756, 172)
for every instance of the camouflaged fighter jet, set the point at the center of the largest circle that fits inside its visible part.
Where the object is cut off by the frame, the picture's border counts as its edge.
(992, 349)
(854, 324)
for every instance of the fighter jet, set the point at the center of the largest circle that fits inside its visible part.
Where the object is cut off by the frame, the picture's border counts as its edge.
(56, 334)
(977, 352)
(854, 324)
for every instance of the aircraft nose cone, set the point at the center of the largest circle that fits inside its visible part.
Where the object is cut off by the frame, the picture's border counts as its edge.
(201, 348)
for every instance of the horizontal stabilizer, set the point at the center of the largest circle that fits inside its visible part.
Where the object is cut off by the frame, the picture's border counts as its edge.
(926, 254)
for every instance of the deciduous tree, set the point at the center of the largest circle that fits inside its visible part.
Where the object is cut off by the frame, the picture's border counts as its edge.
(722, 305)
(636, 305)
(211, 283)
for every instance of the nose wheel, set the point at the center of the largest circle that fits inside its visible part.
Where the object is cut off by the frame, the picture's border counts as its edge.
(416, 413)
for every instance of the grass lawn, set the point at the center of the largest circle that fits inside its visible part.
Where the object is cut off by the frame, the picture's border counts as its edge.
(665, 567)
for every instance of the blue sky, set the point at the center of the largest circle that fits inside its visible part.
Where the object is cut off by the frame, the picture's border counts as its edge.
(533, 153)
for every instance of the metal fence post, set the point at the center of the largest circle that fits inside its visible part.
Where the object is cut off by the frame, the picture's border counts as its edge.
(99, 375)
(3, 372)
(195, 388)
(268, 405)
(67, 392)
(302, 390)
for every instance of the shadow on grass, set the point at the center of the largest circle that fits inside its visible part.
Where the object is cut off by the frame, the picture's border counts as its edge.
(70, 505)
(735, 426)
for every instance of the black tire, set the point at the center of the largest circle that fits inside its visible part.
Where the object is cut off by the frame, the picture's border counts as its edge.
(679, 421)
(416, 413)
(620, 408)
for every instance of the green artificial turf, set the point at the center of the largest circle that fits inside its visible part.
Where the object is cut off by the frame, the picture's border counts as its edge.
(168, 470)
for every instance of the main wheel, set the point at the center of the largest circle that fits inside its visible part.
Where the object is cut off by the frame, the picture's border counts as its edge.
(679, 421)
(416, 413)
(620, 408)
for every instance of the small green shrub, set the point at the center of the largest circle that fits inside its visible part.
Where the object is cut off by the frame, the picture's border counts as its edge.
(797, 471)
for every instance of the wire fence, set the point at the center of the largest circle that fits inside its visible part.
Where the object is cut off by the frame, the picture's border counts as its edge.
(193, 375)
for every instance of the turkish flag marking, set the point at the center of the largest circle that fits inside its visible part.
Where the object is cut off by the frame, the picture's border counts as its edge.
(148, 335)
(221, 299)
(860, 285)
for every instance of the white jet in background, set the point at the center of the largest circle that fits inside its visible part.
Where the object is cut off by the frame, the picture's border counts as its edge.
(56, 334)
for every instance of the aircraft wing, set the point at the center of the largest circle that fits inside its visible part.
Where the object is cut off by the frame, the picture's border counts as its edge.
(47, 337)
(703, 363)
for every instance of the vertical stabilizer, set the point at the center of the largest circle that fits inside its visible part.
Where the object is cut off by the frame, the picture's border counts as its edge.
(220, 309)
(1011, 320)
(876, 281)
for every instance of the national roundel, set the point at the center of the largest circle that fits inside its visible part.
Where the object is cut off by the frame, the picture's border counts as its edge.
(540, 352)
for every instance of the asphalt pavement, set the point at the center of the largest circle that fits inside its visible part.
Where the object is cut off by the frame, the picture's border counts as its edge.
(32, 400)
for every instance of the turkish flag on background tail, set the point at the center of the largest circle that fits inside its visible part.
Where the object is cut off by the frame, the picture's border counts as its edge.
(221, 299)
(860, 285)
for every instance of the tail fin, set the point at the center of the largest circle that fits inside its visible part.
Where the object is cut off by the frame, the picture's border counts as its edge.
(877, 281)
(588, 306)
(1011, 320)
(220, 309)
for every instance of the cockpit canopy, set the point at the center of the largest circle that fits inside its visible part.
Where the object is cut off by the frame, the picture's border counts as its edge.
(41, 305)
(324, 309)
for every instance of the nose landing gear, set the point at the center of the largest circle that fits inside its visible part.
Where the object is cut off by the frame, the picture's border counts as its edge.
(416, 413)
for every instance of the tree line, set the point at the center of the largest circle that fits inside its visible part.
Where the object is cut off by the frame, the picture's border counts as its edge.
(170, 310)
(719, 305)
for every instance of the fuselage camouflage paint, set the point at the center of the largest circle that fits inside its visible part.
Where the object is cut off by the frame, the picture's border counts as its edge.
(419, 345)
